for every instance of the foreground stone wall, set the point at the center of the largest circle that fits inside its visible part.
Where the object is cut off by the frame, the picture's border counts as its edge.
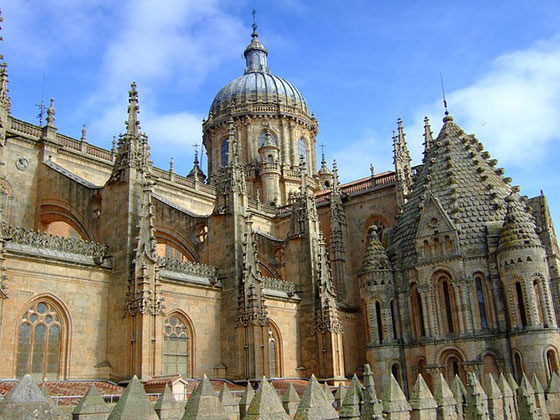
(504, 399)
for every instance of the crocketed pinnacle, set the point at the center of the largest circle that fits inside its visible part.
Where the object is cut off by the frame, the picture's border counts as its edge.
(428, 136)
(519, 228)
(375, 257)
(133, 125)
(471, 193)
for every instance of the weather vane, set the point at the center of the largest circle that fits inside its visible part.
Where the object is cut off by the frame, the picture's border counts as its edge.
(41, 105)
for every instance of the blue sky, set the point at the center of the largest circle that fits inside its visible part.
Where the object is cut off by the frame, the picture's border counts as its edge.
(359, 64)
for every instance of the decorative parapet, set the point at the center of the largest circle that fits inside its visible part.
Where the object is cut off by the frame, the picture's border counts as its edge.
(189, 268)
(279, 285)
(36, 239)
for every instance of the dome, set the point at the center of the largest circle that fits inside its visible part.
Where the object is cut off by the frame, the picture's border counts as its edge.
(261, 88)
(258, 85)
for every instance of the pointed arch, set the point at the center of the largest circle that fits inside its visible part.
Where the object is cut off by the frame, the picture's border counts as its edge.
(275, 350)
(43, 337)
(173, 245)
(483, 301)
(57, 217)
(178, 345)
(448, 314)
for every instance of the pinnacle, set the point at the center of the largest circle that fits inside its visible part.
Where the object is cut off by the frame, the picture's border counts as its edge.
(266, 404)
(166, 401)
(133, 404)
(519, 227)
(421, 398)
(328, 392)
(504, 386)
(204, 404)
(351, 404)
(91, 402)
(394, 399)
(225, 396)
(553, 385)
(291, 395)
(492, 388)
(314, 403)
(442, 392)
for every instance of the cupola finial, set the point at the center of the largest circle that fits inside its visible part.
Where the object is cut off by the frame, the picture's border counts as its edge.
(254, 34)
(255, 53)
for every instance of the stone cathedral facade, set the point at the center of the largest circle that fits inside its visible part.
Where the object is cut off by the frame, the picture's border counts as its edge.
(267, 265)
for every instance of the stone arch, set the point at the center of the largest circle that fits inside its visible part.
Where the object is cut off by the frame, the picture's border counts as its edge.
(267, 271)
(483, 301)
(518, 365)
(448, 313)
(173, 355)
(416, 310)
(275, 342)
(396, 371)
(169, 238)
(54, 360)
(550, 358)
(452, 359)
(490, 364)
(422, 370)
(540, 292)
(57, 217)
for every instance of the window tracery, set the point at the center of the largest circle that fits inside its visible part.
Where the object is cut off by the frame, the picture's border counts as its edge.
(40, 342)
(177, 347)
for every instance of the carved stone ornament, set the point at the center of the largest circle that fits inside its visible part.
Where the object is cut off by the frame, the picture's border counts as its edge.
(22, 164)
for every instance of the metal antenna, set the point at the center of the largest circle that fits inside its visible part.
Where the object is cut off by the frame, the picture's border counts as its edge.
(41, 105)
(443, 92)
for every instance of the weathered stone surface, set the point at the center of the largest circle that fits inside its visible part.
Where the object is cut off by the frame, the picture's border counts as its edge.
(526, 403)
(328, 392)
(350, 408)
(266, 404)
(91, 406)
(290, 400)
(133, 404)
(447, 406)
(314, 403)
(542, 410)
(372, 409)
(477, 401)
(508, 398)
(245, 400)
(204, 404)
(553, 396)
(166, 406)
(339, 396)
(26, 401)
(460, 395)
(495, 399)
(423, 404)
(229, 402)
(395, 405)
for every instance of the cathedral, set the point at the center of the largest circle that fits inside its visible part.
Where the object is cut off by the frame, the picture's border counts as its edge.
(263, 263)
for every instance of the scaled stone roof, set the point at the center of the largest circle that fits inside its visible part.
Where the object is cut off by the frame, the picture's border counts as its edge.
(461, 176)
(519, 227)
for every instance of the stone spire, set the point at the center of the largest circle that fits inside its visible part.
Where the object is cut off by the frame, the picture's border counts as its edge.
(204, 403)
(196, 172)
(338, 240)
(519, 228)
(134, 404)
(325, 174)
(132, 124)
(266, 404)
(314, 403)
(428, 139)
(5, 104)
(401, 160)
(255, 53)
(133, 149)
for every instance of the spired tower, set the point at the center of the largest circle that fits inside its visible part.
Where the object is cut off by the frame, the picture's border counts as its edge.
(273, 129)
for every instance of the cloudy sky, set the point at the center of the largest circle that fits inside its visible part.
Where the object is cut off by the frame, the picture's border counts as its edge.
(359, 64)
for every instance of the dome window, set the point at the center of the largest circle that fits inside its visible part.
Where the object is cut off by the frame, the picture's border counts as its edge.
(302, 148)
(224, 153)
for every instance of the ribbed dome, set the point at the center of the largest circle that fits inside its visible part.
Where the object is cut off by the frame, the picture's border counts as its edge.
(261, 88)
(258, 85)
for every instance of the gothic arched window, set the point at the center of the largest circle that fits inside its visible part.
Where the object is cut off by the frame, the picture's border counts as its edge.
(551, 362)
(481, 301)
(417, 313)
(520, 304)
(538, 301)
(379, 320)
(274, 351)
(40, 342)
(224, 152)
(302, 150)
(176, 346)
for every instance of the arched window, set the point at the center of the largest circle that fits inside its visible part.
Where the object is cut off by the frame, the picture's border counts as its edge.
(393, 319)
(520, 304)
(481, 303)
(177, 347)
(170, 250)
(417, 313)
(224, 152)
(40, 342)
(448, 310)
(452, 362)
(518, 366)
(551, 362)
(302, 150)
(538, 303)
(366, 320)
(274, 351)
(378, 317)
(396, 372)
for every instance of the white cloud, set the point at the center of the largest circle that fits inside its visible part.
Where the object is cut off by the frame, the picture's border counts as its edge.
(514, 109)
